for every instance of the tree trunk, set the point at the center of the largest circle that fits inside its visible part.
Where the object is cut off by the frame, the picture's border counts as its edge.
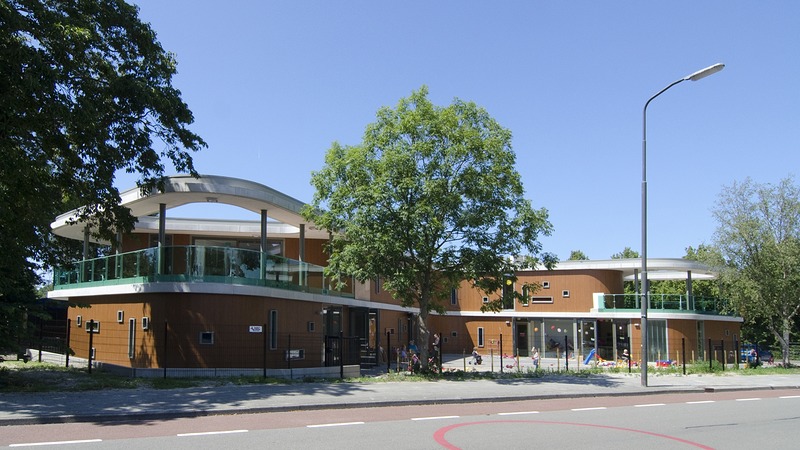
(423, 335)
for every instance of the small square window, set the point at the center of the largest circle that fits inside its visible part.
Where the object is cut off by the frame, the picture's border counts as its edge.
(485, 299)
(545, 285)
(454, 334)
(207, 337)
(92, 326)
(565, 293)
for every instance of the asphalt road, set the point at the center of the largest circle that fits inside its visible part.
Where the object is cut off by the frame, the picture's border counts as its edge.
(722, 419)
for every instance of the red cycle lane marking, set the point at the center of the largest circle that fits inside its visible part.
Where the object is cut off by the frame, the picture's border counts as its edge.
(440, 439)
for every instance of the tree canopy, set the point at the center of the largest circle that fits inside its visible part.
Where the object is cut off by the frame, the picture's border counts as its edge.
(87, 92)
(428, 199)
(758, 240)
(577, 255)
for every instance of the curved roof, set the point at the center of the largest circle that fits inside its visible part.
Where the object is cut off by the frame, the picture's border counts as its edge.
(658, 268)
(180, 190)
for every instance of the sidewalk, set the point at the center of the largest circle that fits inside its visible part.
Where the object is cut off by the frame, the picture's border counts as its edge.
(150, 404)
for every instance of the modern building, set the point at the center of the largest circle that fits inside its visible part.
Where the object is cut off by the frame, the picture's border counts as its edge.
(236, 295)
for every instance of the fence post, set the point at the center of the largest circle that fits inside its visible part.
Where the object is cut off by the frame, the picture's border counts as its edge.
(738, 354)
(683, 353)
(67, 349)
(501, 352)
(388, 347)
(566, 353)
(341, 353)
(166, 336)
(724, 356)
(710, 359)
(289, 357)
(41, 337)
(91, 335)
(264, 333)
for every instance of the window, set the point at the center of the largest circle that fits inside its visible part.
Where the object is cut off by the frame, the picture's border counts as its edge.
(480, 337)
(94, 325)
(207, 337)
(273, 329)
(565, 293)
(541, 299)
(545, 285)
(120, 316)
(145, 323)
(508, 293)
(453, 297)
(378, 285)
(311, 327)
(131, 338)
(79, 321)
(485, 299)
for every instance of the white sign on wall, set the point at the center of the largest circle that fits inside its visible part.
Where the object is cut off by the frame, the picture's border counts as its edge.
(256, 328)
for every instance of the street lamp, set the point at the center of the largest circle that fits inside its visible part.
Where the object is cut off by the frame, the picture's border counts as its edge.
(645, 298)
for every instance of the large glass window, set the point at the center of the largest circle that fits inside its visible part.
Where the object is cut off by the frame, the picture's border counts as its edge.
(559, 337)
(657, 340)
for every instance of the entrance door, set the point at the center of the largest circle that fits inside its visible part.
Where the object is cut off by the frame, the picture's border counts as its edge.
(522, 342)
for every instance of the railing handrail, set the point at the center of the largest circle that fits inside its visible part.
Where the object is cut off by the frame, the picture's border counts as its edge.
(664, 302)
(231, 265)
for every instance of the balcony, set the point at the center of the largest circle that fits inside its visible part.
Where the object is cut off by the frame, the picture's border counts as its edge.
(191, 263)
(663, 303)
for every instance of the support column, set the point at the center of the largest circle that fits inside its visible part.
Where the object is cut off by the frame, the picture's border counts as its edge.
(262, 274)
(689, 295)
(84, 274)
(118, 259)
(162, 236)
(302, 256)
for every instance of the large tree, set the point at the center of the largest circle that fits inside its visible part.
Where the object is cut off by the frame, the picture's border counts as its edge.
(86, 91)
(758, 238)
(428, 199)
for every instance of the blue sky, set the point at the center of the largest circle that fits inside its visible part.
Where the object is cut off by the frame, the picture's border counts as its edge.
(273, 84)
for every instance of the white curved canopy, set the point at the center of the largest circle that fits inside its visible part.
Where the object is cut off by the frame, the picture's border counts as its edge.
(658, 269)
(283, 210)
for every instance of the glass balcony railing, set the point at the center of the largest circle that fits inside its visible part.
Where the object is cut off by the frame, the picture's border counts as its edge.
(665, 302)
(191, 263)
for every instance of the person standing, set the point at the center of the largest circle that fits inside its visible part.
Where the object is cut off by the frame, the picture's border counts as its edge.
(535, 358)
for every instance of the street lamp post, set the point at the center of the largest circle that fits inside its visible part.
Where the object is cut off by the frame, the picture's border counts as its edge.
(645, 298)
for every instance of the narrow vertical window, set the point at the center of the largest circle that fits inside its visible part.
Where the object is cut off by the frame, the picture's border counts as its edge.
(273, 329)
(131, 338)
(453, 297)
(480, 337)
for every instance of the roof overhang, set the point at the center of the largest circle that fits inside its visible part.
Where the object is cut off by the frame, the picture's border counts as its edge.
(283, 211)
(657, 269)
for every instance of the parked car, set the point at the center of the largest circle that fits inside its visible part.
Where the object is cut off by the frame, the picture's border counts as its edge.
(755, 354)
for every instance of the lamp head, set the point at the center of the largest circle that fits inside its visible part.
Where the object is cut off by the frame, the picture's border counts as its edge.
(700, 74)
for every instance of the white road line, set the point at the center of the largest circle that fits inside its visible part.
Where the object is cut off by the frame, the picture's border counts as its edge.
(34, 444)
(747, 399)
(517, 413)
(649, 405)
(435, 418)
(700, 402)
(340, 424)
(790, 396)
(589, 409)
(207, 433)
